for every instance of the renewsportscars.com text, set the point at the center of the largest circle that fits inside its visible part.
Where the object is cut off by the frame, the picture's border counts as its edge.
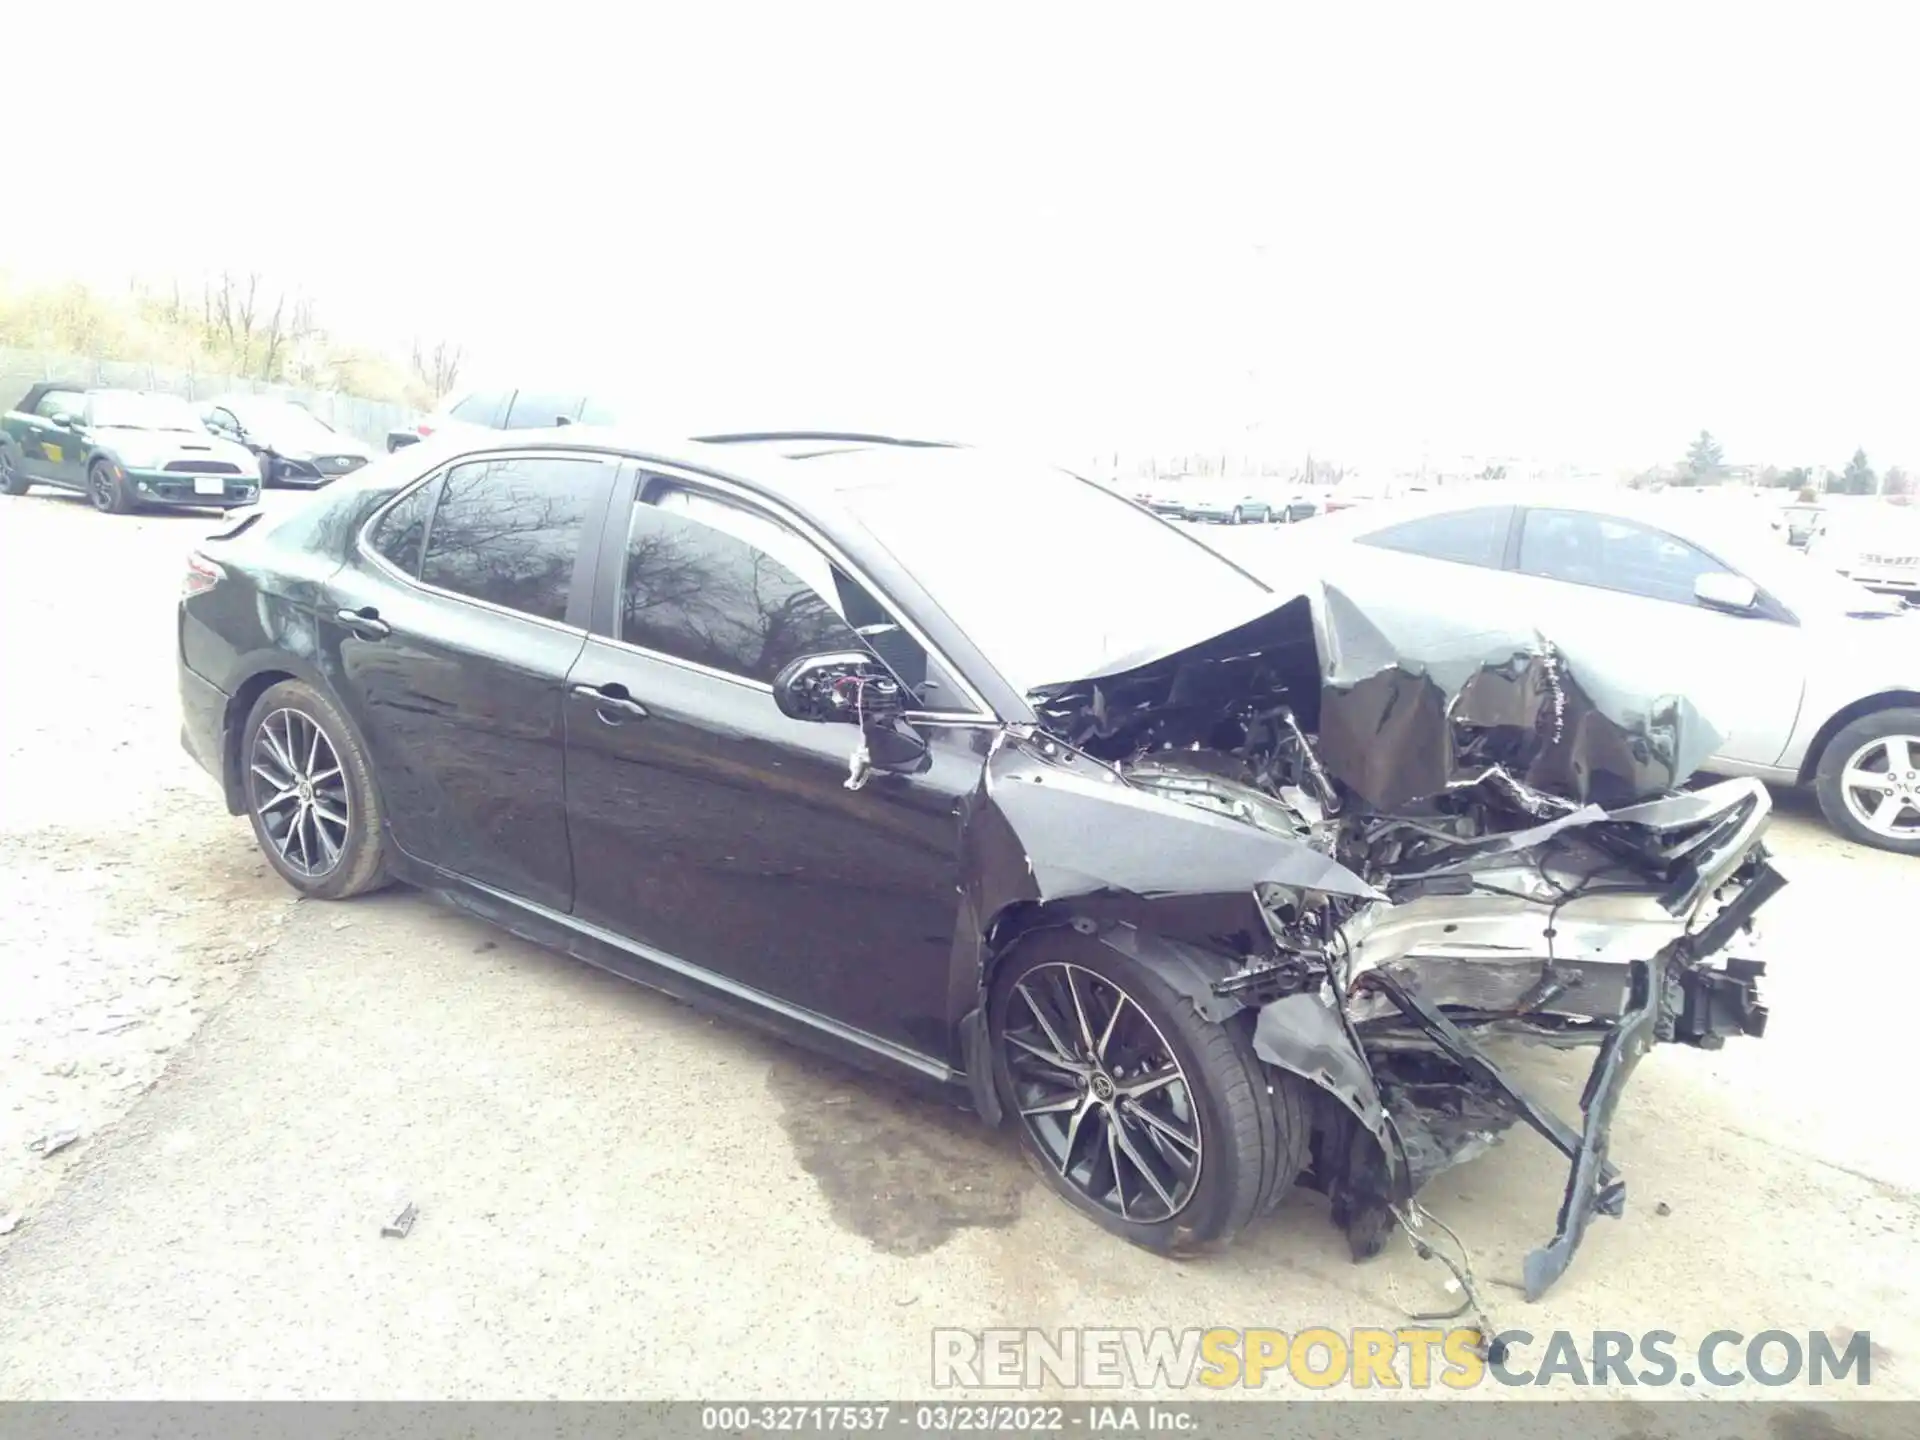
(1320, 1358)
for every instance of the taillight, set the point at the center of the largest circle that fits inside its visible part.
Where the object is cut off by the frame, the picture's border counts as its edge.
(202, 575)
(424, 429)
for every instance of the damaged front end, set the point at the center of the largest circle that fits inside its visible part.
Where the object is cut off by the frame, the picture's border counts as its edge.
(1424, 839)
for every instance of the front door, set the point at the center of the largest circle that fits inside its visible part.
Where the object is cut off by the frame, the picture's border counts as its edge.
(709, 826)
(451, 645)
(51, 452)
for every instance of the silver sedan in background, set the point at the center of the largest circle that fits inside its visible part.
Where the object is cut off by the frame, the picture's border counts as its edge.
(1811, 679)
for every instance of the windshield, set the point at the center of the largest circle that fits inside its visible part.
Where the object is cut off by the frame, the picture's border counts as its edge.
(1054, 578)
(280, 418)
(134, 410)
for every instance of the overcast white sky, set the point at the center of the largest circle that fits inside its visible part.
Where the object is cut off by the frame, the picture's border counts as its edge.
(1526, 229)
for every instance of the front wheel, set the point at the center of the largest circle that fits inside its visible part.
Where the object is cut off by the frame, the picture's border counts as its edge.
(106, 490)
(310, 794)
(1161, 1126)
(1868, 783)
(12, 482)
(1239, 516)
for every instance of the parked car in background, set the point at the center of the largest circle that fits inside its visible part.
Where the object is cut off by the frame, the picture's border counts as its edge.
(1225, 503)
(1348, 496)
(476, 411)
(1798, 524)
(295, 447)
(1873, 544)
(1167, 498)
(122, 449)
(1296, 507)
(1810, 678)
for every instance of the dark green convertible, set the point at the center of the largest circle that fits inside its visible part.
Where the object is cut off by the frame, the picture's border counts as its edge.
(122, 449)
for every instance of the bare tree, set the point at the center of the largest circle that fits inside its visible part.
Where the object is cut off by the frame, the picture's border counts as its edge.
(439, 368)
(274, 338)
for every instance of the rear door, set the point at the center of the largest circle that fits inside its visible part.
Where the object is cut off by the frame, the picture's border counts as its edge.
(451, 630)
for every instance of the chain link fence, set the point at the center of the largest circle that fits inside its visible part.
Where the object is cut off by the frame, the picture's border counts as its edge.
(369, 420)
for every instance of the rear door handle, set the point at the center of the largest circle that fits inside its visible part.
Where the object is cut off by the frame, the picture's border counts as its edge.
(365, 622)
(612, 700)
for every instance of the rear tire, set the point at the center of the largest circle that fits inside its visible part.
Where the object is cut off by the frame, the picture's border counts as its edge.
(107, 490)
(310, 794)
(1244, 1126)
(1863, 789)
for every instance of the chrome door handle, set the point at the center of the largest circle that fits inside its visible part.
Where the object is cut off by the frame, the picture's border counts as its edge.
(611, 699)
(366, 623)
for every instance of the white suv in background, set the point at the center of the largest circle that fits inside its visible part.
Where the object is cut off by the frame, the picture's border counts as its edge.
(1873, 544)
(500, 408)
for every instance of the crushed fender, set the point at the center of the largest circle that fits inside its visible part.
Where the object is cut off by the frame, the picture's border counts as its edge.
(1406, 841)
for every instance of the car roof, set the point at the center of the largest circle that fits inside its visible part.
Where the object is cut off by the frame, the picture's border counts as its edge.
(1648, 508)
(795, 465)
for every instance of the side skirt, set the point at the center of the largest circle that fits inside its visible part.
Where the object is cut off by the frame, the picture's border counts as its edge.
(684, 981)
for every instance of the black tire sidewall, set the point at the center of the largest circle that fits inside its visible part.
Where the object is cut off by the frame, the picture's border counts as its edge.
(118, 505)
(1209, 1216)
(1902, 720)
(360, 868)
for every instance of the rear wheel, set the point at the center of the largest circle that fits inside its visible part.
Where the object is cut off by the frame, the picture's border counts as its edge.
(1239, 516)
(1161, 1126)
(12, 482)
(106, 490)
(1868, 783)
(310, 794)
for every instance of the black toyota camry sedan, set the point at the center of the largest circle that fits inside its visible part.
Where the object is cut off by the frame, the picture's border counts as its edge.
(975, 771)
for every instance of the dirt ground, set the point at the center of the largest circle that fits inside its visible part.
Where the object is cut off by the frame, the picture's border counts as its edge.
(212, 1095)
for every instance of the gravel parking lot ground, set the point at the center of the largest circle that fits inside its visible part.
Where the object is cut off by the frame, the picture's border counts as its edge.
(618, 1197)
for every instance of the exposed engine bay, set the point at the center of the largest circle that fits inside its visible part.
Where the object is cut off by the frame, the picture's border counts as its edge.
(1431, 836)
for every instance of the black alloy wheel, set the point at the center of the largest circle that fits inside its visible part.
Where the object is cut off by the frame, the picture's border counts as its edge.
(1158, 1124)
(105, 490)
(298, 789)
(1101, 1093)
(310, 794)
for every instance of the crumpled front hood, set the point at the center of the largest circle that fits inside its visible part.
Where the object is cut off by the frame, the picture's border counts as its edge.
(1409, 698)
(1415, 701)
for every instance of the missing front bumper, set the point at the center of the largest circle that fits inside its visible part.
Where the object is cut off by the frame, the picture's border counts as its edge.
(1424, 1124)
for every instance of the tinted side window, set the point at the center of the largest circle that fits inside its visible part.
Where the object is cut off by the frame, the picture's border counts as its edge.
(728, 588)
(508, 531)
(55, 402)
(402, 529)
(537, 410)
(699, 593)
(483, 407)
(1469, 537)
(1611, 553)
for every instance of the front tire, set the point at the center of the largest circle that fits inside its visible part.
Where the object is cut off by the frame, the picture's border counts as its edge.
(1868, 783)
(310, 794)
(12, 482)
(1161, 1126)
(105, 489)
